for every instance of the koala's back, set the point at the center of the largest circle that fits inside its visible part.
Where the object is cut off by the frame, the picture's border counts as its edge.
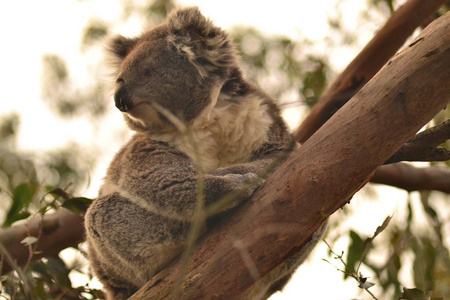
(135, 230)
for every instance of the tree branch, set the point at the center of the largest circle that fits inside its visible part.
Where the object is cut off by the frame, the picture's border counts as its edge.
(424, 146)
(411, 179)
(376, 53)
(352, 144)
(56, 231)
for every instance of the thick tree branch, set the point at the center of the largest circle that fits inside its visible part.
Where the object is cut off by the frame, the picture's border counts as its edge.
(424, 146)
(410, 178)
(56, 231)
(352, 144)
(377, 52)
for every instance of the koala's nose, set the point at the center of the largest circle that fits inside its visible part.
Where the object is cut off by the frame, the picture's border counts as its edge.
(121, 97)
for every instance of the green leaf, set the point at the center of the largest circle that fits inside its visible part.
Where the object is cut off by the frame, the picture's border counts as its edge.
(39, 289)
(59, 192)
(413, 294)
(19, 216)
(9, 126)
(355, 251)
(324, 215)
(21, 197)
(59, 272)
(424, 262)
(40, 268)
(77, 205)
(393, 269)
(382, 227)
(55, 67)
(94, 32)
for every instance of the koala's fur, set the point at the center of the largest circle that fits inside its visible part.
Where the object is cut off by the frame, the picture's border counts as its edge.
(185, 71)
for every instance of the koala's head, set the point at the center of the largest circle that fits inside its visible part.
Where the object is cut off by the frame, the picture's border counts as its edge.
(179, 66)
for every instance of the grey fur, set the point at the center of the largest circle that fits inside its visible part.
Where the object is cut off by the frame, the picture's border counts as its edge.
(185, 71)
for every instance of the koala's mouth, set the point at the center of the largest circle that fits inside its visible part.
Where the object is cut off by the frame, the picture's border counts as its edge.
(140, 111)
(144, 117)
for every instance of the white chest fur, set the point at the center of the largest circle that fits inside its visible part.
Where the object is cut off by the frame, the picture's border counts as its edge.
(224, 135)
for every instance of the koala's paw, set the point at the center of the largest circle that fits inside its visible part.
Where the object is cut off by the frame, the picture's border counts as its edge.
(253, 180)
(246, 183)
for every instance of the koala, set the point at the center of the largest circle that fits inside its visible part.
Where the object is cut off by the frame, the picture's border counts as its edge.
(198, 121)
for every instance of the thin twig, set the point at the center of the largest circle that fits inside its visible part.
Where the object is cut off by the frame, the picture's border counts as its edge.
(347, 270)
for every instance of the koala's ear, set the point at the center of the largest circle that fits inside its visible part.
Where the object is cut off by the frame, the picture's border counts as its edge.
(120, 46)
(205, 45)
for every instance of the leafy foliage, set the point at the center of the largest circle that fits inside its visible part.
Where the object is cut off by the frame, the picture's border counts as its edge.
(22, 196)
(62, 93)
(48, 279)
(299, 77)
(22, 190)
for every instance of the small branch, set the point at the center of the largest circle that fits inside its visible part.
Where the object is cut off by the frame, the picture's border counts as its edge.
(361, 280)
(368, 62)
(410, 178)
(58, 231)
(424, 146)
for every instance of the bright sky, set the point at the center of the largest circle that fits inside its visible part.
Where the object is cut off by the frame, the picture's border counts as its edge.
(31, 28)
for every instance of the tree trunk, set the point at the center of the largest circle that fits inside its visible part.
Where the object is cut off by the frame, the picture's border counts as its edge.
(320, 177)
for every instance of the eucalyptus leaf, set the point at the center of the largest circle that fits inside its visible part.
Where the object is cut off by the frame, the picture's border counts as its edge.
(59, 272)
(77, 205)
(22, 196)
(354, 251)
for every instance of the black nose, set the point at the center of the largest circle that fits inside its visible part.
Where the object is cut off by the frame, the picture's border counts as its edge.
(121, 98)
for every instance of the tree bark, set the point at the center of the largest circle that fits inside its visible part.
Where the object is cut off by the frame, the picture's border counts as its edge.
(376, 53)
(320, 177)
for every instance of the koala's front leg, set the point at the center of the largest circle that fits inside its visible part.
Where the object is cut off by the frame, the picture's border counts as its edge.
(230, 188)
(173, 190)
(263, 163)
(242, 187)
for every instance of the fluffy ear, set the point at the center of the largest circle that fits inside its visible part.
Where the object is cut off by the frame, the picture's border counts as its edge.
(120, 46)
(206, 46)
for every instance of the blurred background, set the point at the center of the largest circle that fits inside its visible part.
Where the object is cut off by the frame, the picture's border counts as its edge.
(59, 129)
